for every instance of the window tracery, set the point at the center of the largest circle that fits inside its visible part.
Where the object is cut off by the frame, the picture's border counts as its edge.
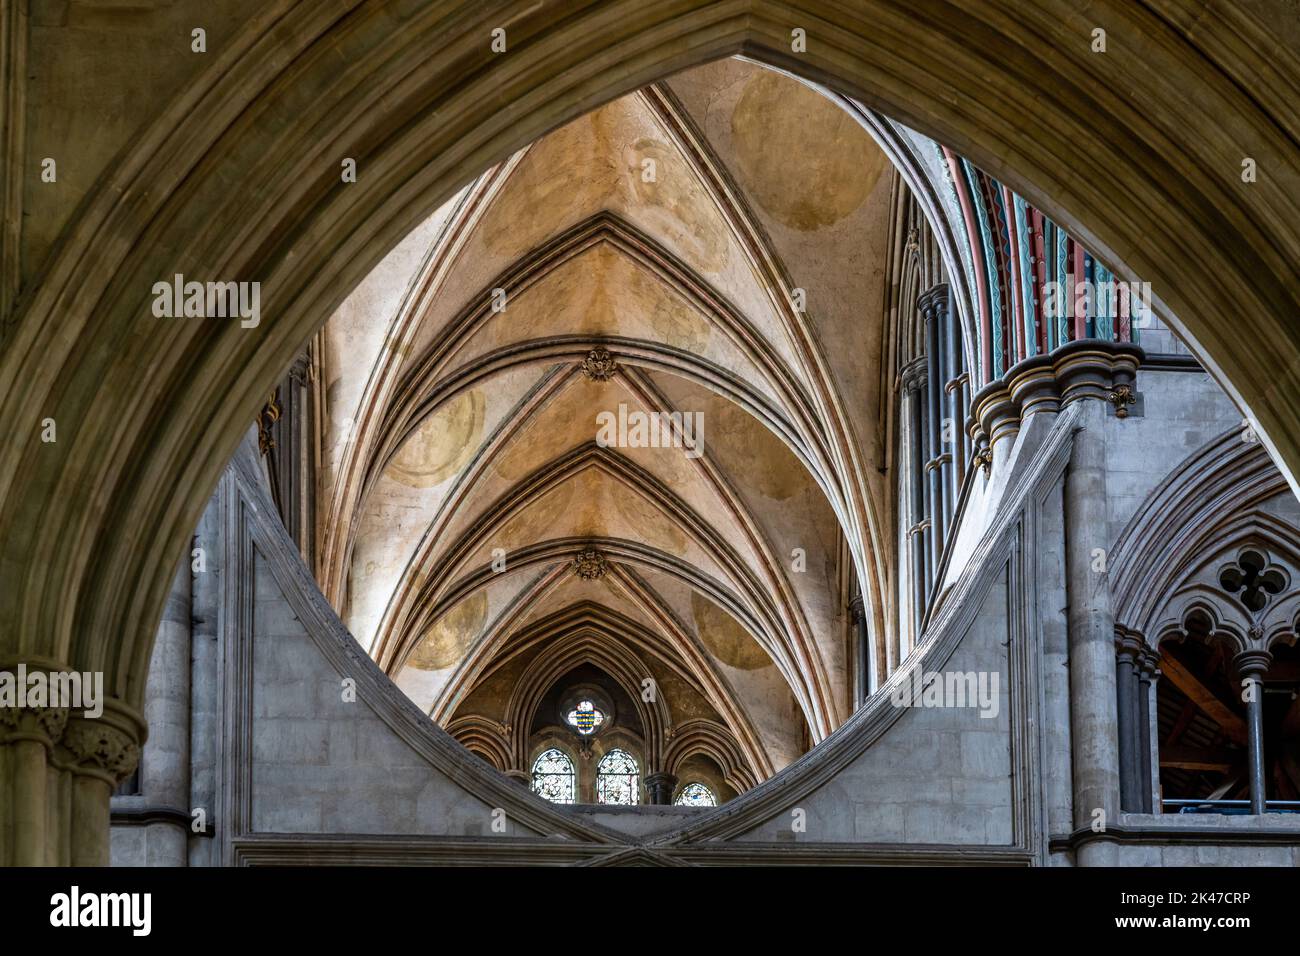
(554, 777)
(618, 779)
(696, 795)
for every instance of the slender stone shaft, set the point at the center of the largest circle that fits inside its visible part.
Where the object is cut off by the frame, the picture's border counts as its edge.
(1126, 680)
(1146, 682)
(1251, 666)
(1091, 636)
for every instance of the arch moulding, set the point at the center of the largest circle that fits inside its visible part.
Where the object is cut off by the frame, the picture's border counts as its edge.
(238, 179)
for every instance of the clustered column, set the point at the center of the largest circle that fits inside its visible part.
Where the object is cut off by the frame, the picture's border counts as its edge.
(914, 386)
(944, 441)
(941, 446)
(286, 440)
(58, 768)
(1135, 671)
(857, 610)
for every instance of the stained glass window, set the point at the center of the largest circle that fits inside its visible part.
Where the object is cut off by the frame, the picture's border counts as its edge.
(696, 795)
(585, 718)
(553, 776)
(618, 779)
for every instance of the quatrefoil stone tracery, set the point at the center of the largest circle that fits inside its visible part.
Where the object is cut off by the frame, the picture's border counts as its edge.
(1252, 580)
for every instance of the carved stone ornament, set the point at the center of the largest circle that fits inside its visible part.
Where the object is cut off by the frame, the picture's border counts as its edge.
(269, 415)
(599, 365)
(1122, 396)
(590, 565)
(98, 746)
(46, 724)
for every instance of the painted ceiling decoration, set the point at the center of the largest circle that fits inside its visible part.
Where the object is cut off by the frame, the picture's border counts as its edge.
(1038, 288)
(704, 265)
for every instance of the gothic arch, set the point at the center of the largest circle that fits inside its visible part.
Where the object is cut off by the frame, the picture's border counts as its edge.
(483, 738)
(1184, 515)
(701, 736)
(619, 632)
(1194, 587)
(89, 532)
(564, 655)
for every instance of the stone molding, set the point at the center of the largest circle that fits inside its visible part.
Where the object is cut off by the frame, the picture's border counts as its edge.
(1088, 368)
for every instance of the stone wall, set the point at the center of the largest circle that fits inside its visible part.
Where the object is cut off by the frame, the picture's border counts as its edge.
(305, 772)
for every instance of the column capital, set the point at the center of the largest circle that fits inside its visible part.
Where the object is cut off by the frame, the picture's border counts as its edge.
(100, 748)
(1129, 646)
(659, 787)
(45, 725)
(913, 375)
(1253, 662)
(1150, 664)
(934, 300)
(36, 698)
(857, 609)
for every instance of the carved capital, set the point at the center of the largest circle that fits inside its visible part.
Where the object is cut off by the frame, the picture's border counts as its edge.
(100, 749)
(913, 376)
(43, 724)
(934, 301)
(1150, 664)
(857, 609)
(1129, 647)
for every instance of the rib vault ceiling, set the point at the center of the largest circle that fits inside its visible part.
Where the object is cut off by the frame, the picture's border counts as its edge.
(712, 246)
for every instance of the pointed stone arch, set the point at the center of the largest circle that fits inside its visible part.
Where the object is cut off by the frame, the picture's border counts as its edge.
(91, 528)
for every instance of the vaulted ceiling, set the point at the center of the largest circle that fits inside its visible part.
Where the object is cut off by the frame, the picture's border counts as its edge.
(713, 246)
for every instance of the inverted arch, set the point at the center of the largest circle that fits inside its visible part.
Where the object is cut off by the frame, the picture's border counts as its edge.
(92, 527)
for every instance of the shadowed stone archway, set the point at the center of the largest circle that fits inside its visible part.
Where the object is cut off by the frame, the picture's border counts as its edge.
(1138, 151)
